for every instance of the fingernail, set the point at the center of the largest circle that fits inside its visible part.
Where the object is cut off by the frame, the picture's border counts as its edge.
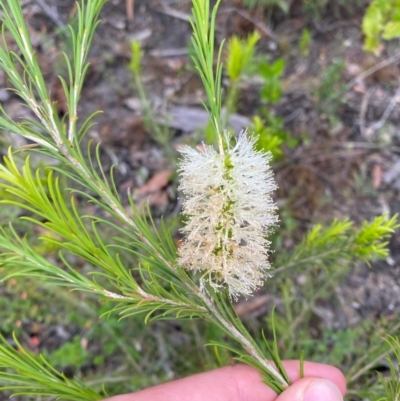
(322, 390)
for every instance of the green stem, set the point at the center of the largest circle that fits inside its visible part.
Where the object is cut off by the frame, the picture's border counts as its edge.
(243, 338)
(296, 262)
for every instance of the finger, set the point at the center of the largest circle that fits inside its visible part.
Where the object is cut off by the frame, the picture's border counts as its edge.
(317, 370)
(311, 389)
(231, 383)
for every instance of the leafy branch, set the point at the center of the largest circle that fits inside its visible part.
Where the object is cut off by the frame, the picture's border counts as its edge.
(323, 246)
(203, 58)
(47, 203)
(35, 376)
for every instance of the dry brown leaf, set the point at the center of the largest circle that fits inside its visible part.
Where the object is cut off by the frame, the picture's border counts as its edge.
(359, 88)
(159, 199)
(156, 183)
(252, 306)
(377, 176)
(130, 7)
(58, 96)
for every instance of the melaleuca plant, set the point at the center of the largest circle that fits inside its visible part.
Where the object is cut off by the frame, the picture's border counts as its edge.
(227, 185)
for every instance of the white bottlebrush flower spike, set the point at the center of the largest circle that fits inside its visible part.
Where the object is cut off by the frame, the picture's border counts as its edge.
(230, 211)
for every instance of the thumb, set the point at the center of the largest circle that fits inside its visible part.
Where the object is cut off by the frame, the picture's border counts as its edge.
(310, 389)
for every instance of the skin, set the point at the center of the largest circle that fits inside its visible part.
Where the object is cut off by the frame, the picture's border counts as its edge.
(242, 383)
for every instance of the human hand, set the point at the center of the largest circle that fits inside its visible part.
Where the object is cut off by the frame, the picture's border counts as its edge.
(243, 383)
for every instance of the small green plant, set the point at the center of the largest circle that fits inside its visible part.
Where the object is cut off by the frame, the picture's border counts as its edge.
(328, 93)
(381, 21)
(271, 91)
(268, 140)
(330, 81)
(271, 136)
(305, 42)
(240, 55)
